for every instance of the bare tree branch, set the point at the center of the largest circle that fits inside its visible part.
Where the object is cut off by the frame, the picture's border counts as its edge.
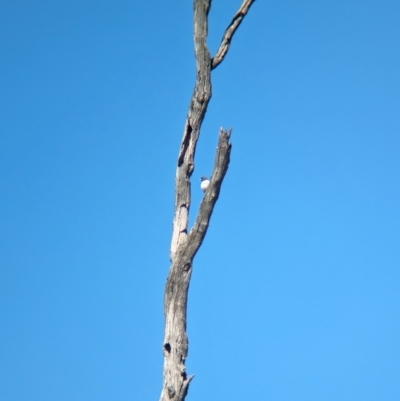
(229, 32)
(184, 245)
(199, 230)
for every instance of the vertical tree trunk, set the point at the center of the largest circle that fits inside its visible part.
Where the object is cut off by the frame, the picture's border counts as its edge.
(184, 244)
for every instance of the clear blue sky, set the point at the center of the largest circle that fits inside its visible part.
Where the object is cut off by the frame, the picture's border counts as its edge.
(295, 293)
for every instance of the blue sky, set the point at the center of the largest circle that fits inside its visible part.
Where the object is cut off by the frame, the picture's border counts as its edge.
(295, 291)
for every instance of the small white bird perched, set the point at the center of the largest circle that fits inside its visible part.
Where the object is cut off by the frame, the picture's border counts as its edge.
(205, 182)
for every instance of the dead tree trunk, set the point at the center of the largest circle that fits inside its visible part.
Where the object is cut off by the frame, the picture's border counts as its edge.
(185, 244)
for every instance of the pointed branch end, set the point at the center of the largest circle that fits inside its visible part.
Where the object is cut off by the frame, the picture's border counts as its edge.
(185, 386)
(226, 132)
(224, 136)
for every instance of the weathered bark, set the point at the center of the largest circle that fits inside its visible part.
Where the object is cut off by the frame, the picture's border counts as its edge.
(184, 244)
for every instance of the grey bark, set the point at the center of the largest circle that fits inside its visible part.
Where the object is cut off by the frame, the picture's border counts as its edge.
(184, 244)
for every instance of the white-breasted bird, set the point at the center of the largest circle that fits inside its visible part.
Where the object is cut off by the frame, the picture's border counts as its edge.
(205, 182)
